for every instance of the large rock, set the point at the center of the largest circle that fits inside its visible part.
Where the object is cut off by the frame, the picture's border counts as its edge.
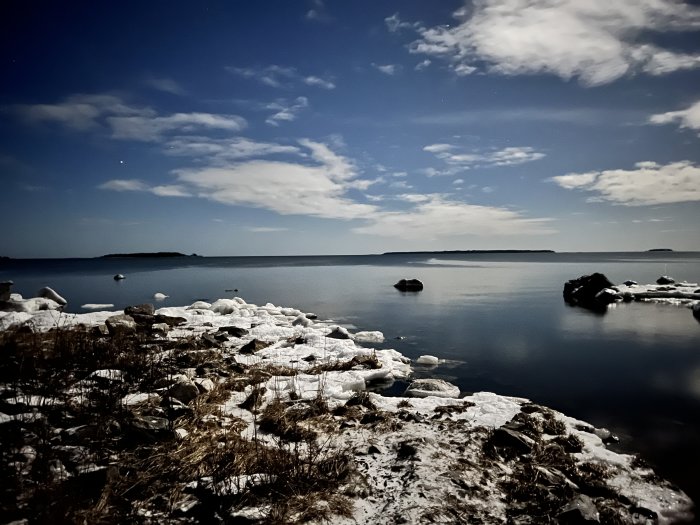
(432, 387)
(409, 285)
(584, 291)
(140, 309)
(119, 324)
(339, 333)
(579, 510)
(50, 293)
(5, 290)
(696, 311)
(184, 391)
(665, 279)
(253, 346)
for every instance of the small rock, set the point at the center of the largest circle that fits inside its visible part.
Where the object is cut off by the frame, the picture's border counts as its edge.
(504, 437)
(234, 331)
(50, 293)
(409, 285)
(606, 436)
(428, 360)
(301, 320)
(254, 346)
(169, 320)
(141, 309)
(160, 296)
(579, 510)
(339, 333)
(204, 384)
(665, 279)
(161, 328)
(184, 391)
(311, 316)
(630, 283)
(119, 277)
(149, 428)
(406, 451)
(432, 387)
(210, 341)
(181, 433)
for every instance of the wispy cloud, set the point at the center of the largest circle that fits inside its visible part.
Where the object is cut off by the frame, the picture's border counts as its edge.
(688, 118)
(436, 217)
(648, 184)
(387, 69)
(154, 128)
(166, 85)
(596, 41)
(168, 190)
(459, 160)
(215, 151)
(576, 116)
(125, 121)
(286, 111)
(280, 76)
(318, 13)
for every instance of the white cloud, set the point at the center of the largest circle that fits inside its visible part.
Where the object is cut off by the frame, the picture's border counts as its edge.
(387, 69)
(420, 66)
(318, 81)
(286, 111)
(687, 118)
(596, 41)
(168, 190)
(223, 151)
(152, 129)
(167, 85)
(280, 77)
(648, 184)
(438, 148)
(438, 217)
(88, 112)
(510, 156)
(313, 189)
(124, 185)
(458, 181)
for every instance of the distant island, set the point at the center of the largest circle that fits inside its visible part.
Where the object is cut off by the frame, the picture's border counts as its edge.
(468, 251)
(661, 250)
(147, 254)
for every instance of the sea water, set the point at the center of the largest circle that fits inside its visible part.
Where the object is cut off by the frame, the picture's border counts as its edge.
(497, 320)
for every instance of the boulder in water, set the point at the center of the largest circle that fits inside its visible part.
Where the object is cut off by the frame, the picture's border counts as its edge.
(584, 291)
(665, 279)
(119, 277)
(409, 285)
(5, 291)
(50, 293)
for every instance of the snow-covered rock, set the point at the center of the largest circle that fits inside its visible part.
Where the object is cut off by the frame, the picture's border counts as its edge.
(50, 293)
(429, 360)
(158, 296)
(432, 387)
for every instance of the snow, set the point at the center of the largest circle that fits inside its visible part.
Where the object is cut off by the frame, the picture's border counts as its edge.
(432, 388)
(430, 360)
(158, 296)
(444, 433)
(97, 306)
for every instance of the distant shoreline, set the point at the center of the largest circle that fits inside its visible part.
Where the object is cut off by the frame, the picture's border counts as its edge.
(457, 252)
(145, 255)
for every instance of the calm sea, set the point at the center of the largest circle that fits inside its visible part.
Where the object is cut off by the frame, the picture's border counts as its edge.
(498, 319)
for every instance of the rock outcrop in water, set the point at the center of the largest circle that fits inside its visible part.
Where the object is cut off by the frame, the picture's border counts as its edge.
(590, 291)
(409, 285)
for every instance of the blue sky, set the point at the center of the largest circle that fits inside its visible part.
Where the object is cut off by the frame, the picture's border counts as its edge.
(332, 127)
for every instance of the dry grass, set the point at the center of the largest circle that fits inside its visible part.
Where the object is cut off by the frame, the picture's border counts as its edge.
(295, 479)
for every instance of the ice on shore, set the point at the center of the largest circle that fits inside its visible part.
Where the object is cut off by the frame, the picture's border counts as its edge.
(435, 437)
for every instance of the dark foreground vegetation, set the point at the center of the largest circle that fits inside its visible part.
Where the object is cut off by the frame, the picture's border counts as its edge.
(84, 456)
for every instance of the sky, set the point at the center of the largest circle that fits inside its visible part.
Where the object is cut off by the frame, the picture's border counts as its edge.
(284, 127)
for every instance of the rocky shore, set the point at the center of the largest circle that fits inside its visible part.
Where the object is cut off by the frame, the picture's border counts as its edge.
(229, 412)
